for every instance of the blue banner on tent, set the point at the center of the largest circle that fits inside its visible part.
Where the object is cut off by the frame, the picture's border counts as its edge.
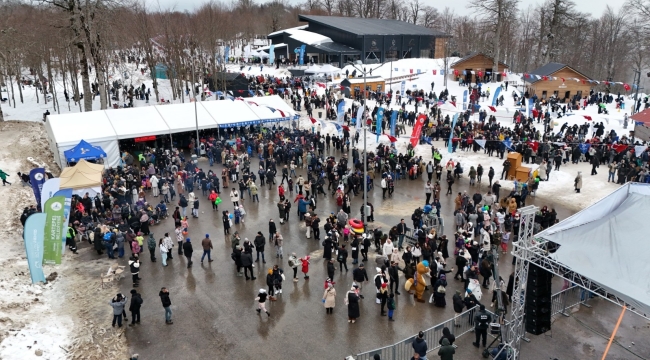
(380, 117)
(302, 54)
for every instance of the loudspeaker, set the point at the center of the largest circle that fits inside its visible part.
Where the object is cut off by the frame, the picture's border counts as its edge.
(538, 306)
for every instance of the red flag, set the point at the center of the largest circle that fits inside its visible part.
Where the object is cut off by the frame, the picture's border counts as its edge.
(345, 128)
(493, 108)
(533, 145)
(626, 87)
(456, 72)
(587, 117)
(619, 148)
(434, 72)
(453, 103)
(583, 82)
(417, 130)
(480, 73)
(411, 71)
(320, 84)
(562, 80)
(281, 112)
(254, 103)
(392, 138)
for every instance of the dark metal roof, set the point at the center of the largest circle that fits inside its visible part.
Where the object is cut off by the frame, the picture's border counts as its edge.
(366, 26)
(335, 48)
(643, 116)
(549, 69)
(471, 55)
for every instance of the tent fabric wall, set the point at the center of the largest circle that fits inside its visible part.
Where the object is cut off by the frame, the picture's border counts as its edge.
(604, 241)
(138, 121)
(175, 116)
(231, 112)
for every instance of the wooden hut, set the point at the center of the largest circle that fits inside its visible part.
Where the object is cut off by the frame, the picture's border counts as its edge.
(351, 86)
(477, 65)
(561, 80)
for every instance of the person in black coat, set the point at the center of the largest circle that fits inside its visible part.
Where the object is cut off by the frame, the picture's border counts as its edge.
(134, 307)
(393, 273)
(330, 269)
(272, 229)
(355, 250)
(328, 244)
(247, 264)
(188, 250)
(446, 334)
(365, 246)
(439, 296)
(353, 305)
(342, 258)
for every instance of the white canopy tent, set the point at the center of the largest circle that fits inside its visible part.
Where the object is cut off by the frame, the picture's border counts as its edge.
(326, 69)
(606, 242)
(106, 127)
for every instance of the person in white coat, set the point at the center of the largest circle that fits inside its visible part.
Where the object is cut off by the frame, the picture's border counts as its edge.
(234, 197)
(387, 249)
(154, 185)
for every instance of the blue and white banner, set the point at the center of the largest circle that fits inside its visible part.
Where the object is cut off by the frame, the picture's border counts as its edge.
(302, 54)
(393, 122)
(49, 189)
(380, 117)
(496, 96)
(450, 148)
(403, 90)
(465, 99)
(272, 54)
(508, 143)
(340, 112)
(531, 104)
(226, 54)
(67, 193)
(37, 178)
(360, 118)
(33, 237)
(584, 148)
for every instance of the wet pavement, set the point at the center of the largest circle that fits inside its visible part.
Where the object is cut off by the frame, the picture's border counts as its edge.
(214, 309)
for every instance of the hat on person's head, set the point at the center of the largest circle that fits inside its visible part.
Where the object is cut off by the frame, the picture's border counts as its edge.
(469, 291)
(361, 265)
(133, 291)
(420, 334)
(187, 240)
(207, 235)
(482, 307)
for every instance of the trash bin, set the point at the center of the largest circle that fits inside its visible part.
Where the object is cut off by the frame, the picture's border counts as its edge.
(320, 114)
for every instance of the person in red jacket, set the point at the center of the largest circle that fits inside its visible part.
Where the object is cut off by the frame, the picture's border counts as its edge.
(213, 197)
(305, 266)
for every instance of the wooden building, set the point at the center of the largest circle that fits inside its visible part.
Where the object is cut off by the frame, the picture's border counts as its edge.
(351, 86)
(559, 80)
(477, 63)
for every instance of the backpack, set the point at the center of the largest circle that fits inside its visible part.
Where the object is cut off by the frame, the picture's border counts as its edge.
(340, 257)
(107, 236)
(292, 263)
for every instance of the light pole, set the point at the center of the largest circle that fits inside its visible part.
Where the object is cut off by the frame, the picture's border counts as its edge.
(364, 214)
(196, 114)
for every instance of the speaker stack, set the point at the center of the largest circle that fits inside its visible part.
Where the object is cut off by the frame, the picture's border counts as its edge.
(538, 300)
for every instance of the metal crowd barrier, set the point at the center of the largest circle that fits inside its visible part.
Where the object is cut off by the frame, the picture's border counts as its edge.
(568, 298)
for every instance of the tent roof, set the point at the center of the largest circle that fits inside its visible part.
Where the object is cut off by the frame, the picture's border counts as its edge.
(231, 112)
(93, 126)
(176, 117)
(84, 150)
(83, 175)
(138, 121)
(267, 115)
(605, 243)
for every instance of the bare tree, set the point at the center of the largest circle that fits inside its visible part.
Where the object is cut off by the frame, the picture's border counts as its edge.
(414, 11)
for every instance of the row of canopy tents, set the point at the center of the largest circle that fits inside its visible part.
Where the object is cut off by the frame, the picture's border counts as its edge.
(104, 128)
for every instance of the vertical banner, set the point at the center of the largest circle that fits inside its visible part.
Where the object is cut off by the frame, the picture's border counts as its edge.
(271, 54)
(417, 130)
(465, 99)
(33, 236)
(531, 104)
(360, 118)
(50, 187)
(302, 54)
(37, 178)
(403, 89)
(54, 219)
(226, 54)
(67, 193)
(450, 148)
(393, 122)
(340, 112)
(380, 117)
(495, 99)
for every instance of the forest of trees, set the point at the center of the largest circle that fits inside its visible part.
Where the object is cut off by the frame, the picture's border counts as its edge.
(82, 42)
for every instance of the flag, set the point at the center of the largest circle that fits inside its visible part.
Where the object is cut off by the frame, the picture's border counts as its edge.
(252, 102)
(403, 88)
(360, 116)
(380, 117)
(626, 87)
(50, 187)
(396, 69)
(450, 149)
(281, 113)
(340, 112)
(619, 148)
(302, 54)
(67, 193)
(417, 130)
(54, 219)
(313, 121)
(37, 178)
(270, 108)
(492, 108)
(393, 122)
(226, 53)
(584, 147)
(391, 138)
(442, 72)
(480, 142)
(33, 237)
(587, 117)
(533, 145)
(508, 143)
(411, 71)
(271, 54)
(453, 103)
(320, 85)
(434, 72)
(638, 150)
(338, 127)
(418, 71)
(465, 94)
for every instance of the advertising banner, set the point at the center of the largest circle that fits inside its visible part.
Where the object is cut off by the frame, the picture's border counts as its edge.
(33, 236)
(417, 130)
(54, 220)
(37, 178)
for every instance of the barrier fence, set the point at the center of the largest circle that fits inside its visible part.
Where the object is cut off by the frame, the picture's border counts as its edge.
(463, 323)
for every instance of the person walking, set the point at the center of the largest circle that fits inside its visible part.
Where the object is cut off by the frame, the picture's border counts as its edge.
(446, 351)
(352, 301)
(577, 182)
(359, 275)
(261, 302)
(247, 264)
(459, 305)
(259, 243)
(3, 176)
(118, 303)
(151, 245)
(134, 307)
(391, 306)
(305, 266)
(482, 321)
(342, 258)
(278, 241)
(394, 277)
(167, 305)
(293, 264)
(207, 248)
(188, 250)
(272, 229)
(329, 298)
(134, 266)
(420, 346)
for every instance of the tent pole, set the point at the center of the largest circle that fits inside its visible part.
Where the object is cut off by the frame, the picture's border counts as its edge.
(611, 338)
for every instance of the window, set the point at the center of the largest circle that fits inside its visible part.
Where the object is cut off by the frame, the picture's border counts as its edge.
(556, 94)
(425, 53)
(567, 94)
(544, 94)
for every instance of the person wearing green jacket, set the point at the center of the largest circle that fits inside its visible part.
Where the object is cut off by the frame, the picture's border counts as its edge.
(3, 176)
(446, 351)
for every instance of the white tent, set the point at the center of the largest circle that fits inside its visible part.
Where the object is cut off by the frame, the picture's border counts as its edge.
(606, 243)
(65, 131)
(105, 127)
(326, 69)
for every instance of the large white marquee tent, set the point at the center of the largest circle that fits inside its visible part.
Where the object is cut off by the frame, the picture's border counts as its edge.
(105, 128)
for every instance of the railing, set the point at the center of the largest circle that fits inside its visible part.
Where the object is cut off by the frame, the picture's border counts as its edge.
(560, 303)
(459, 326)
